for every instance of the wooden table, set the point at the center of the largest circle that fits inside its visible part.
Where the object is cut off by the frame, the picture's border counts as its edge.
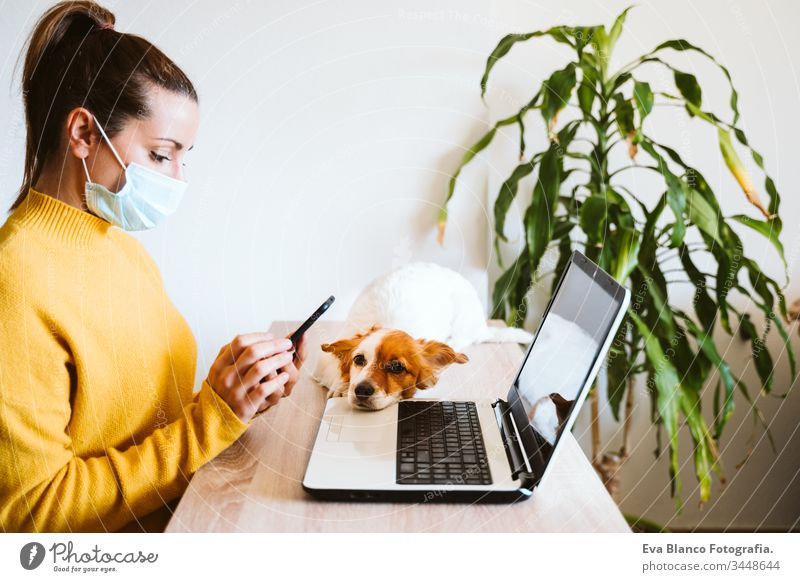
(255, 485)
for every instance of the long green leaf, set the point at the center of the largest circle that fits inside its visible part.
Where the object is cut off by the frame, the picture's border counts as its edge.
(593, 218)
(505, 285)
(616, 30)
(787, 344)
(739, 172)
(556, 92)
(706, 344)
(704, 451)
(584, 35)
(704, 306)
(701, 214)
(676, 195)
(773, 319)
(540, 216)
(508, 191)
(774, 224)
(628, 241)
(623, 111)
(587, 89)
(476, 148)
(618, 370)
(761, 356)
(655, 287)
(769, 229)
(690, 89)
(683, 45)
(562, 34)
(769, 184)
(668, 398)
(726, 276)
(564, 254)
(643, 95)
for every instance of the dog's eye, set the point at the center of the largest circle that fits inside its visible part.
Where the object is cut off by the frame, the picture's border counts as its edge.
(395, 367)
(359, 360)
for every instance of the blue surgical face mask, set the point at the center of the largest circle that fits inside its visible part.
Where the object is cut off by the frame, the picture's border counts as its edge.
(145, 200)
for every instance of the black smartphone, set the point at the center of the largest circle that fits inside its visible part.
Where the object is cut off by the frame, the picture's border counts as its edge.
(295, 337)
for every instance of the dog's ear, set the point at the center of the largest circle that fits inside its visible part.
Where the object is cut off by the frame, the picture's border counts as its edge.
(562, 406)
(342, 348)
(440, 355)
(435, 357)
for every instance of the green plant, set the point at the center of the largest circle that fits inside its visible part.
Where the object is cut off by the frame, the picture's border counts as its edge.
(633, 235)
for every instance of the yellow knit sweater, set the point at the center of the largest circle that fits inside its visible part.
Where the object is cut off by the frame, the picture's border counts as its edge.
(99, 425)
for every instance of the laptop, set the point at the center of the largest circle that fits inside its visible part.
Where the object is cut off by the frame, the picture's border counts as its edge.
(494, 451)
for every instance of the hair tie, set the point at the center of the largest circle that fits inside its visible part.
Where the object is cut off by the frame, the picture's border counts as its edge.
(105, 25)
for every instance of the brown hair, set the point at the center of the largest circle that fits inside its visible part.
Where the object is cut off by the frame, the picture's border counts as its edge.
(75, 58)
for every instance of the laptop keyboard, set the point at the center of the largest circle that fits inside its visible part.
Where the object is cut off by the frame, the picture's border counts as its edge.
(440, 442)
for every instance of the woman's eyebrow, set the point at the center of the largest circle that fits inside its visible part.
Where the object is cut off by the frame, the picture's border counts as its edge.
(178, 145)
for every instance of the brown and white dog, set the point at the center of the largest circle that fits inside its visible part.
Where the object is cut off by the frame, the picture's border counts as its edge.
(379, 362)
(379, 367)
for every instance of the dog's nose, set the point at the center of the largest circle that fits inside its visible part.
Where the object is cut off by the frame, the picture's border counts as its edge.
(364, 391)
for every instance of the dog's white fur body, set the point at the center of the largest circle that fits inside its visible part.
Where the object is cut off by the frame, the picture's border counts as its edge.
(423, 299)
(429, 301)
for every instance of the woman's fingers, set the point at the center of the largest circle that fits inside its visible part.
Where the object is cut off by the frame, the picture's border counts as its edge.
(294, 375)
(287, 389)
(262, 368)
(266, 394)
(255, 370)
(258, 350)
(300, 352)
(234, 379)
(229, 352)
(241, 342)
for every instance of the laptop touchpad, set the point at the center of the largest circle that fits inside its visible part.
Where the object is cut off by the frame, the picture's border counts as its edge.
(352, 428)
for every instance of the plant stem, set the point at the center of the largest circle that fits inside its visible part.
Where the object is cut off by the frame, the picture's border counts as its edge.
(595, 426)
(626, 434)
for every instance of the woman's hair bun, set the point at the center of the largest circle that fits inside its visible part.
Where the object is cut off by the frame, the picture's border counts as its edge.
(69, 21)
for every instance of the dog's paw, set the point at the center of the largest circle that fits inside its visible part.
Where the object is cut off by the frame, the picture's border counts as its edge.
(334, 394)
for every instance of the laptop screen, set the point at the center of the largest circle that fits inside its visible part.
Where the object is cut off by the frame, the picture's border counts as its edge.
(562, 356)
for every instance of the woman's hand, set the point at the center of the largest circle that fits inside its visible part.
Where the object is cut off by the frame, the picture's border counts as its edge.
(247, 373)
(293, 369)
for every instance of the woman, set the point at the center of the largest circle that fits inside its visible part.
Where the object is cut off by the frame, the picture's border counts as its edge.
(99, 427)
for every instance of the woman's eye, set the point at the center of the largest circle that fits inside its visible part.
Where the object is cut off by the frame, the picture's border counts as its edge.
(359, 360)
(159, 158)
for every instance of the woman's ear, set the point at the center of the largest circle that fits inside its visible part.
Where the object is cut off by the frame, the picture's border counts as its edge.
(82, 136)
(436, 356)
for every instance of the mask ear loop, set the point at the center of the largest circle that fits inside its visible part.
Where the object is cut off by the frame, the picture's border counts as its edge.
(86, 170)
(113, 150)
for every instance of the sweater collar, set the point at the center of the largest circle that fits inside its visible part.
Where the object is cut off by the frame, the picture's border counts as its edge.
(59, 220)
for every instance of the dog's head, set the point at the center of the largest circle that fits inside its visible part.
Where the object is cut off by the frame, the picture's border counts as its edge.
(382, 366)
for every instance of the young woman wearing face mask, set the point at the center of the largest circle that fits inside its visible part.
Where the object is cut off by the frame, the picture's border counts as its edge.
(100, 429)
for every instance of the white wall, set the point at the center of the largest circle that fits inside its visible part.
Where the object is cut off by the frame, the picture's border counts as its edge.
(329, 129)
